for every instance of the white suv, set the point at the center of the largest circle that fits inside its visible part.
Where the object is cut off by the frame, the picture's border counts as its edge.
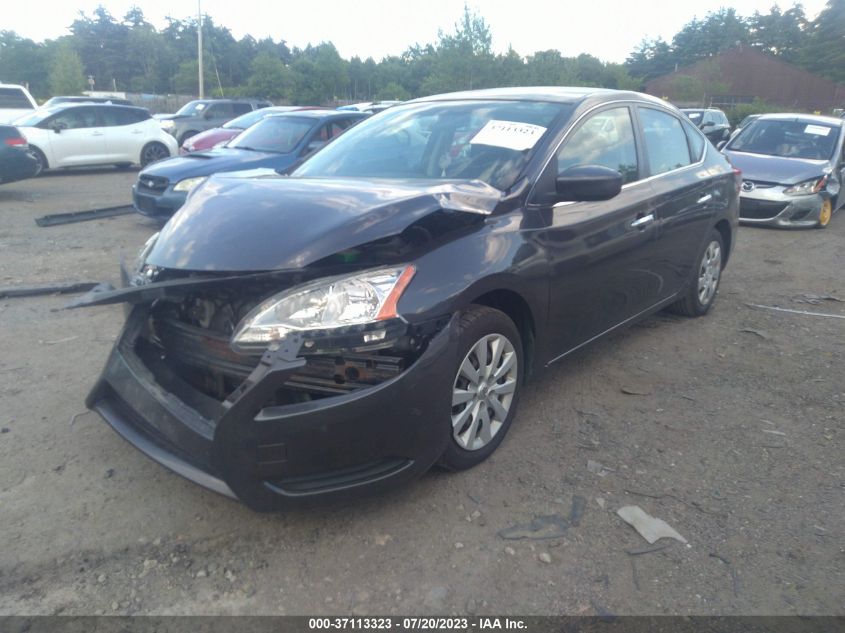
(77, 135)
(15, 101)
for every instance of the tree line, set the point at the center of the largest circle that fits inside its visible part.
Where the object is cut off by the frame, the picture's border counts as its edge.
(131, 55)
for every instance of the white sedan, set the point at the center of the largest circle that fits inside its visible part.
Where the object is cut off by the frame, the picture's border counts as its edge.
(78, 135)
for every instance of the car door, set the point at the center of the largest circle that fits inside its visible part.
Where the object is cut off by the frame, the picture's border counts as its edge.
(76, 137)
(124, 134)
(601, 254)
(685, 194)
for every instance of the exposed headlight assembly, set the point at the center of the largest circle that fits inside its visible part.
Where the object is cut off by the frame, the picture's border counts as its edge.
(325, 304)
(806, 188)
(188, 183)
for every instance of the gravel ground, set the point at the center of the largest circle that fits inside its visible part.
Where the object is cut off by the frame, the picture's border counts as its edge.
(729, 428)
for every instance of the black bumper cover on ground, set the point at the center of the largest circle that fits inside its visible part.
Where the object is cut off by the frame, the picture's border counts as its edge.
(277, 456)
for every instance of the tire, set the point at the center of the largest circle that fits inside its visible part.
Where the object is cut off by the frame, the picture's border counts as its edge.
(482, 328)
(704, 283)
(42, 160)
(151, 152)
(186, 136)
(825, 214)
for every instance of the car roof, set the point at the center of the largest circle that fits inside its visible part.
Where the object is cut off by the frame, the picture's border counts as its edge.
(557, 94)
(810, 118)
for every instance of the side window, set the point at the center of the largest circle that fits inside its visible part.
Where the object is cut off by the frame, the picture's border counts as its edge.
(14, 98)
(219, 110)
(114, 117)
(607, 139)
(665, 141)
(241, 108)
(696, 142)
(75, 118)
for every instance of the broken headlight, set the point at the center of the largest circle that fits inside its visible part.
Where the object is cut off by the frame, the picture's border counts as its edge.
(144, 253)
(325, 304)
(807, 187)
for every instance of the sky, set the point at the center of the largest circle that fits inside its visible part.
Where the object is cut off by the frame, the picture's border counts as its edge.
(607, 29)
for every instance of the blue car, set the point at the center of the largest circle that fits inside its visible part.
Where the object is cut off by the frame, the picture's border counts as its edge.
(276, 142)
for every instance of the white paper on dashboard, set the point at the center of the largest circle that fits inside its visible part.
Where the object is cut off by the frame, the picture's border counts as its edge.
(818, 130)
(509, 134)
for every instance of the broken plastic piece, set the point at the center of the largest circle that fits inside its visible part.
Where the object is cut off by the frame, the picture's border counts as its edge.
(650, 529)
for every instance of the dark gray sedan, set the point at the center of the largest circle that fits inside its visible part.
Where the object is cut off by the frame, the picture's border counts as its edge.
(792, 168)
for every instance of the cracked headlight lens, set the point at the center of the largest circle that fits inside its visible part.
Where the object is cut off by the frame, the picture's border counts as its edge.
(324, 304)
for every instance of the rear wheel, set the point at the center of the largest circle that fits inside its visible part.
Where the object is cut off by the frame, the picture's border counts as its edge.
(702, 288)
(40, 159)
(486, 388)
(153, 152)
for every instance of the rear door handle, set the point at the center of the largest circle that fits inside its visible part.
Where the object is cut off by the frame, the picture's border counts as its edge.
(704, 199)
(644, 221)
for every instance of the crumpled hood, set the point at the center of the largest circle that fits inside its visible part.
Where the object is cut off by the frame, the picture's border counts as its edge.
(214, 161)
(258, 224)
(784, 171)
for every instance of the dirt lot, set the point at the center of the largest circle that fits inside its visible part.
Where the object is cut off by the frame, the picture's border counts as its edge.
(733, 434)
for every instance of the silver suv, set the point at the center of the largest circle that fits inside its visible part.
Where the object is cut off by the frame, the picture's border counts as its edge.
(203, 114)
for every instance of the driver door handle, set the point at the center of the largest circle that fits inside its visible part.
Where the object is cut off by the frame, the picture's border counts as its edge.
(642, 222)
(704, 199)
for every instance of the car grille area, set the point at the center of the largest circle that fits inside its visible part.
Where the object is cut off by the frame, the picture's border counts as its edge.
(152, 184)
(759, 209)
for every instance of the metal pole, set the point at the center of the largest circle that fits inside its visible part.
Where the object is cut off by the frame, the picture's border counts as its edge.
(199, 47)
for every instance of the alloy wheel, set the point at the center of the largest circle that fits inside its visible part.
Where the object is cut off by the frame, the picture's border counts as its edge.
(483, 391)
(708, 273)
(154, 152)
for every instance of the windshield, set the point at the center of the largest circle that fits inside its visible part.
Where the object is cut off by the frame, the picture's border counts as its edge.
(279, 134)
(467, 140)
(788, 139)
(192, 108)
(251, 118)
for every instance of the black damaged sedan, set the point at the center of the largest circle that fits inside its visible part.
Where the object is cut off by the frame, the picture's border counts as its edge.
(378, 311)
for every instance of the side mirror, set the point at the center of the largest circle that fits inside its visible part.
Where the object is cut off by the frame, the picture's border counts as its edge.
(588, 183)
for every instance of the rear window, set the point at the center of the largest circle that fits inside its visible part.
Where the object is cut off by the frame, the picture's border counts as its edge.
(14, 98)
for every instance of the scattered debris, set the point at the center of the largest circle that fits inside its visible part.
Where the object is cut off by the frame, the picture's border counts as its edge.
(547, 526)
(459, 545)
(805, 312)
(598, 469)
(76, 415)
(56, 219)
(383, 539)
(544, 557)
(601, 502)
(57, 341)
(773, 432)
(816, 299)
(650, 529)
(760, 333)
(634, 573)
(647, 550)
(636, 391)
(5, 429)
(734, 576)
(36, 291)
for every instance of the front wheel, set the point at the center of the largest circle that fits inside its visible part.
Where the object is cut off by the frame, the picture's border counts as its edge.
(701, 291)
(486, 388)
(153, 152)
(825, 213)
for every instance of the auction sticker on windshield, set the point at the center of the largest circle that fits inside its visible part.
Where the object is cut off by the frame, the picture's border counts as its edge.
(508, 134)
(818, 130)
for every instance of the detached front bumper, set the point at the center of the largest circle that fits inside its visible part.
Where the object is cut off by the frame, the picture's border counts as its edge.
(773, 208)
(271, 457)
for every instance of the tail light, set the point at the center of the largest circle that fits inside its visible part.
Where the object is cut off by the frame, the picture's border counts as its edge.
(17, 141)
